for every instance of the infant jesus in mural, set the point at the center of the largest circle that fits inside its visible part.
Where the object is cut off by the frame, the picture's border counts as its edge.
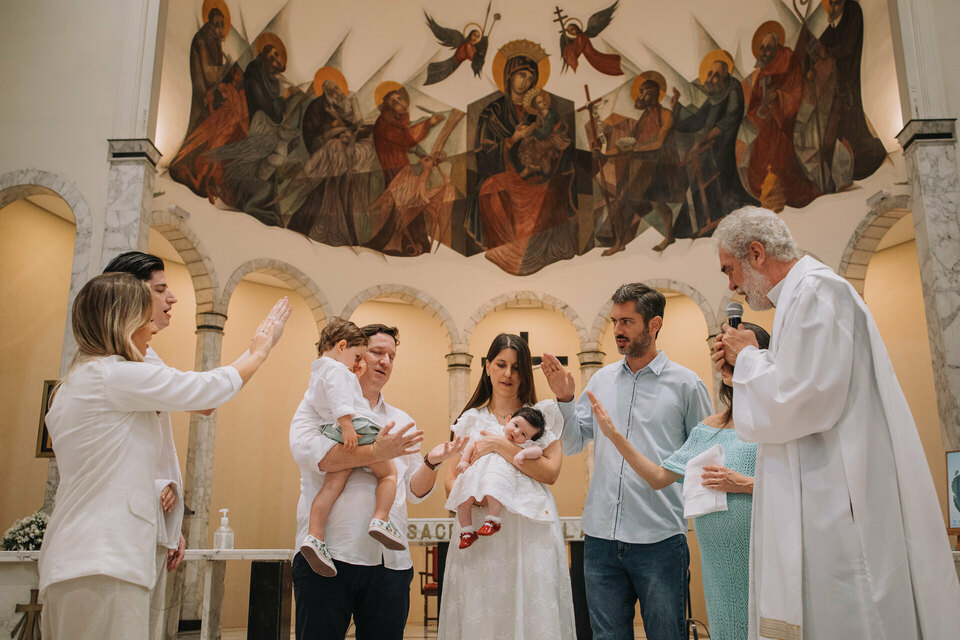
(541, 148)
(479, 481)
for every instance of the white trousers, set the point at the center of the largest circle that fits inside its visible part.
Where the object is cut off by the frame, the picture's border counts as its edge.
(95, 608)
(158, 595)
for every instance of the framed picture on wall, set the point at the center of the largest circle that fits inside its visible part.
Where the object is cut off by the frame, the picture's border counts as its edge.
(44, 444)
(953, 492)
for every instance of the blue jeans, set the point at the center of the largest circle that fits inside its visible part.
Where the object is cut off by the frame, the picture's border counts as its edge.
(618, 574)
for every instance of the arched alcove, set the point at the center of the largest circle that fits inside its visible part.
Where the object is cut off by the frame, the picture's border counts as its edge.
(192, 254)
(415, 297)
(301, 283)
(528, 299)
(37, 240)
(867, 236)
(27, 182)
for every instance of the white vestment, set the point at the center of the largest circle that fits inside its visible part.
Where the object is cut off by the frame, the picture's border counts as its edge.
(848, 540)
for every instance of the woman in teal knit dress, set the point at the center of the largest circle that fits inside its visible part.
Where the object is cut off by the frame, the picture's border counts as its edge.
(723, 536)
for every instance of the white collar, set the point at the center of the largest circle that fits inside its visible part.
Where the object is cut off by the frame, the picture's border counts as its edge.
(774, 294)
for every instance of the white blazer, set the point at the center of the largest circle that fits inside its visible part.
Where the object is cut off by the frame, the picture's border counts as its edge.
(105, 431)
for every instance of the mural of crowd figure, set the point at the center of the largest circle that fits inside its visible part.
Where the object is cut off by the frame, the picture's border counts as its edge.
(344, 170)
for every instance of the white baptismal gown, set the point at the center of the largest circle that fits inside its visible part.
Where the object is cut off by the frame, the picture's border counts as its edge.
(515, 583)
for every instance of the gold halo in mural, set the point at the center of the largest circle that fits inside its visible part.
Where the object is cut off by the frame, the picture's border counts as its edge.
(656, 76)
(384, 88)
(525, 48)
(717, 55)
(770, 26)
(467, 29)
(529, 97)
(328, 73)
(266, 38)
(217, 4)
(572, 20)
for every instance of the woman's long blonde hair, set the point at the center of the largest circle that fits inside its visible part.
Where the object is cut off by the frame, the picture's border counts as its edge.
(108, 309)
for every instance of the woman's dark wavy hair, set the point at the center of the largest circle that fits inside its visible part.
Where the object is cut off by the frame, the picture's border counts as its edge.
(526, 392)
(726, 391)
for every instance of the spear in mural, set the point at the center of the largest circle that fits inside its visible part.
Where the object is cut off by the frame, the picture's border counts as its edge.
(598, 139)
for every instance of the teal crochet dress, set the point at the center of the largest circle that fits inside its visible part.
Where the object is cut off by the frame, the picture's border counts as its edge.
(724, 536)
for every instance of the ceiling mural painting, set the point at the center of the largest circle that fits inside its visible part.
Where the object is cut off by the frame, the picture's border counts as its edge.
(524, 175)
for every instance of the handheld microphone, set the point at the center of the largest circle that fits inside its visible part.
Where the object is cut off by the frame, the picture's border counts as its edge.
(734, 314)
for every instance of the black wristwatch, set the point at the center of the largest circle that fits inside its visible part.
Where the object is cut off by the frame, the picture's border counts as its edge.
(430, 465)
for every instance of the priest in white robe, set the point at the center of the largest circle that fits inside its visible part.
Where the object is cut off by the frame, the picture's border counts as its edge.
(848, 539)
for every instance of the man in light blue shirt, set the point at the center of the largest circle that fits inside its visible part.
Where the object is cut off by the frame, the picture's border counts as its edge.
(635, 537)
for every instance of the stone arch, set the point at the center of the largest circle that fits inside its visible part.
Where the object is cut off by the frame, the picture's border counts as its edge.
(868, 234)
(296, 279)
(545, 299)
(600, 321)
(17, 185)
(415, 297)
(195, 258)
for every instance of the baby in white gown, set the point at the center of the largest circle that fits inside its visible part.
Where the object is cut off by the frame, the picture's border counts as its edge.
(494, 478)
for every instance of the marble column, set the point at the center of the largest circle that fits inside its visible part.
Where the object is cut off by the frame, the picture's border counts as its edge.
(590, 363)
(133, 166)
(930, 147)
(186, 592)
(458, 364)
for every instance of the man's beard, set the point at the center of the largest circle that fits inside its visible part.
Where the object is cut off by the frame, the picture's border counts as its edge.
(339, 103)
(755, 288)
(636, 348)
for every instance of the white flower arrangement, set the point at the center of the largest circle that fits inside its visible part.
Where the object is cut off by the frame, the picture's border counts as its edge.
(26, 534)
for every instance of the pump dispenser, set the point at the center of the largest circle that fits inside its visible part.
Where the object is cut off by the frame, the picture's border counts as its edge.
(223, 537)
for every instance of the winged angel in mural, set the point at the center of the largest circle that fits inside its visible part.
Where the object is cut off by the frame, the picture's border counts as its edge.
(575, 41)
(470, 44)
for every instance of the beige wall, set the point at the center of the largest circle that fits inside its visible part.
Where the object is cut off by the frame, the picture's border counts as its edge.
(893, 293)
(37, 250)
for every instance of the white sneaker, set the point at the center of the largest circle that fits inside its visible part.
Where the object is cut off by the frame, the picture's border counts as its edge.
(386, 534)
(317, 555)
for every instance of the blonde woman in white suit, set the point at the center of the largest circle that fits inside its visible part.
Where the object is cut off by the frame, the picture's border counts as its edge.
(97, 562)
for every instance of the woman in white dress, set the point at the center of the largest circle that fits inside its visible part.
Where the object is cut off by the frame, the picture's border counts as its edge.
(97, 563)
(515, 584)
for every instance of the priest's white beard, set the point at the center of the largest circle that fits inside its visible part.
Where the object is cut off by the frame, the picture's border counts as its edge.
(755, 288)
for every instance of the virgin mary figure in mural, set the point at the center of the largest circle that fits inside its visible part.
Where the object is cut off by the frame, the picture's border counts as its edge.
(525, 221)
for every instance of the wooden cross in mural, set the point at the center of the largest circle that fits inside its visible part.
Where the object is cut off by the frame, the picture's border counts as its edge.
(29, 625)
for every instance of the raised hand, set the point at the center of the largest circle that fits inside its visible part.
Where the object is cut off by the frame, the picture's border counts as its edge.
(447, 449)
(278, 317)
(392, 442)
(558, 377)
(602, 417)
(271, 328)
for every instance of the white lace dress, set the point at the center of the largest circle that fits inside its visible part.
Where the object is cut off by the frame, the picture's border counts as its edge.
(515, 583)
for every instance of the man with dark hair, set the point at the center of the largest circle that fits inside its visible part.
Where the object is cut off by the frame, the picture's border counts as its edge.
(635, 545)
(372, 584)
(169, 484)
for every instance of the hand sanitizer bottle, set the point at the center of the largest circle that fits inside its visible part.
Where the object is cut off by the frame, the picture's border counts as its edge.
(223, 537)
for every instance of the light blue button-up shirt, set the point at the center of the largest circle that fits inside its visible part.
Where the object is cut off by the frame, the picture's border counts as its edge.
(655, 408)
